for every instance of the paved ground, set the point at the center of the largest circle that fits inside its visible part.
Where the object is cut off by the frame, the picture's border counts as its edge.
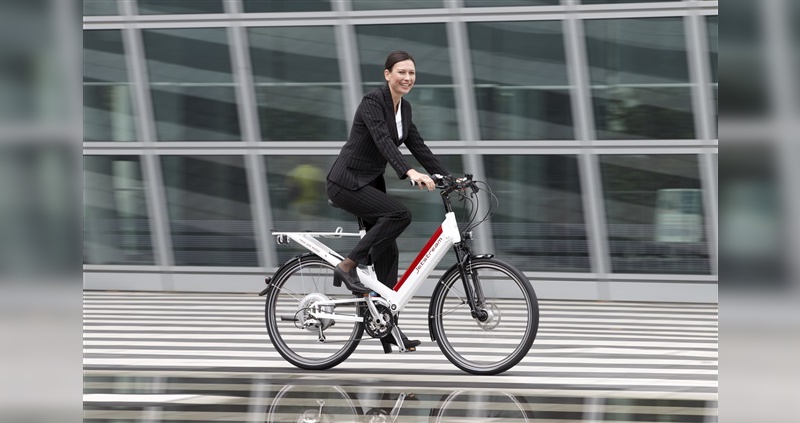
(207, 357)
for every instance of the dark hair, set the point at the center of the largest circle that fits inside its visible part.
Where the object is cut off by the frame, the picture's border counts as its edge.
(397, 56)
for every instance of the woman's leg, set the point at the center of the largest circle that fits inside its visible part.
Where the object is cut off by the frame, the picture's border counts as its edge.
(386, 218)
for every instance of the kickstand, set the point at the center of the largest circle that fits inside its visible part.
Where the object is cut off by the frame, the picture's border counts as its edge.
(321, 335)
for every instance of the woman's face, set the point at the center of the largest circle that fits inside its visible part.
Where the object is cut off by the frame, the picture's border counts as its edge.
(401, 78)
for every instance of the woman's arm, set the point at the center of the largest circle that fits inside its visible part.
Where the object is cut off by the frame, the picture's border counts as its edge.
(374, 118)
(422, 153)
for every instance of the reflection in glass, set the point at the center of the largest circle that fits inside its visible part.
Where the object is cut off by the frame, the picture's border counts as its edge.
(521, 85)
(286, 5)
(151, 7)
(432, 98)
(318, 400)
(540, 222)
(209, 211)
(640, 78)
(297, 83)
(100, 7)
(406, 4)
(107, 102)
(191, 84)
(116, 225)
(299, 202)
(655, 214)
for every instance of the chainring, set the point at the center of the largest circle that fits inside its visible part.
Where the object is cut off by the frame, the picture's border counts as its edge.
(379, 330)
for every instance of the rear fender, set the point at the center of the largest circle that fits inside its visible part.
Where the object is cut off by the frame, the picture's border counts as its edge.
(268, 280)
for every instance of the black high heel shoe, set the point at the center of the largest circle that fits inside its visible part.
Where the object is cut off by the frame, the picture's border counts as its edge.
(350, 279)
(388, 340)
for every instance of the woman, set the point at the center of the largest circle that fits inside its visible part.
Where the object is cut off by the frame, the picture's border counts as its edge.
(355, 182)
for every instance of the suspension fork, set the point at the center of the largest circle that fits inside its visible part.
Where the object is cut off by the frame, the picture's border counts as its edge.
(472, 285)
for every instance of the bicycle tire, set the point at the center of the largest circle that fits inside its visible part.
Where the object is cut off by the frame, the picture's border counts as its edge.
(298, 282)
(500, 343)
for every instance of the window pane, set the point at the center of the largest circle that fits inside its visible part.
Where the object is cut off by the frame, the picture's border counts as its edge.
(286, 5)
(745, 65)
(100, 7)
(712, 27)
(191, 84)
(623, 1)
(116, 224)
(539, 224)
(521, 84)
(297, 83)
(432, 98)
(107, 92)
(495, 3)
(152, 7)
(655, 214)
(640, 78)
(209, 211)
(753, 218)
(406, 4)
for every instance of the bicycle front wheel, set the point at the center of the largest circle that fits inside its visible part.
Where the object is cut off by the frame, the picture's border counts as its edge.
(306, 342)
(498, 340)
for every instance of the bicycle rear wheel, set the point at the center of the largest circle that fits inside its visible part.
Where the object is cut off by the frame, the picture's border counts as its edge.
(500, 341)
(293, 331)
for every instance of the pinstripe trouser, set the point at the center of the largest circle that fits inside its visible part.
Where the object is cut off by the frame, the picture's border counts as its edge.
(385, 219)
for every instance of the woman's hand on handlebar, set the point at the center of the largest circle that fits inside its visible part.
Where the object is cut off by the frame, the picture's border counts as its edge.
(421, 180)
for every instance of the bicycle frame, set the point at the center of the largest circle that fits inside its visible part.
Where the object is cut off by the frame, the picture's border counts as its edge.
(444, 238)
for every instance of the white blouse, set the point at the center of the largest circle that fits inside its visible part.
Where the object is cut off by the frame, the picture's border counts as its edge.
(398, 120)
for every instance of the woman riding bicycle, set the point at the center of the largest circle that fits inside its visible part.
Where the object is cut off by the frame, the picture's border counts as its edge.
(355, 182)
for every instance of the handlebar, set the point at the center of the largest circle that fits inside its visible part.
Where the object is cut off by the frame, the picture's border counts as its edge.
(449, 183)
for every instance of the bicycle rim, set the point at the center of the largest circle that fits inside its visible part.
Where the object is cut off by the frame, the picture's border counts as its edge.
(297, 403)
(295, 288)
(463, 406)
(496, 345)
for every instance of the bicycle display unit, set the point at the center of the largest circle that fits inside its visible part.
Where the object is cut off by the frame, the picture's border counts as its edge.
(483, 312)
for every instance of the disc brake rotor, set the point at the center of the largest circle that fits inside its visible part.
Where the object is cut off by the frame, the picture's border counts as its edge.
(493, 318)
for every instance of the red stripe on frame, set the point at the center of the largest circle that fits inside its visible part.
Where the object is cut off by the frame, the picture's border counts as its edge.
(416, 261)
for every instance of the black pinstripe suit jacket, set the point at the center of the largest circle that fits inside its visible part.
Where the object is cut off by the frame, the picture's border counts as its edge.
(374, 142)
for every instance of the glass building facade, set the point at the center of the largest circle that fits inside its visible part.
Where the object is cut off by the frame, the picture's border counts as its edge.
(209, 123)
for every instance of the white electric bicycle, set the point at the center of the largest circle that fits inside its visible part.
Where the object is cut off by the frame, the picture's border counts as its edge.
(483, 312)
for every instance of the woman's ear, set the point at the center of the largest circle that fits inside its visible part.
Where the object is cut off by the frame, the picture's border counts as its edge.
(386, 74)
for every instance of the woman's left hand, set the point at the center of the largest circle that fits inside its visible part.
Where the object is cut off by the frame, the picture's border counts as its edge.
(422, 180)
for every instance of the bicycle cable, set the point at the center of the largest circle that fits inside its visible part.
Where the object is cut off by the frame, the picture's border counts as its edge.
(472, 215)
